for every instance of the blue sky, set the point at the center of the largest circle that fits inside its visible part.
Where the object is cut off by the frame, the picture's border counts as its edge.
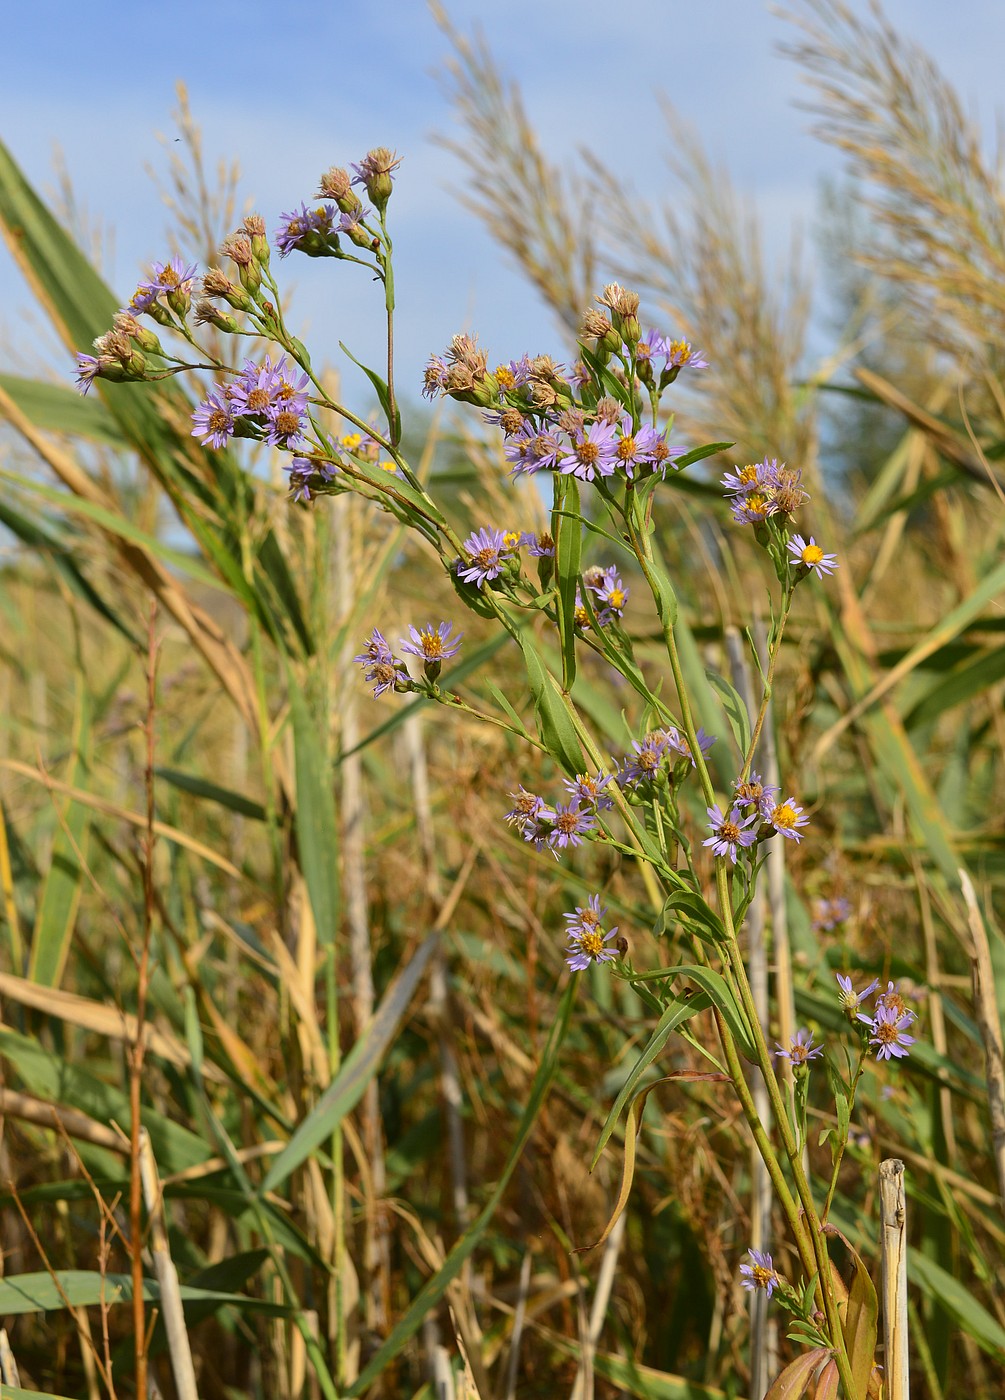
(289, 90)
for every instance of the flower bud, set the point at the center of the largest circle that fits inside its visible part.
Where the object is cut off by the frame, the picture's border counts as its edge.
(208, 314)
(136, 330)
(216, 283)
(254, 229)
(336, 185)
(376, 172)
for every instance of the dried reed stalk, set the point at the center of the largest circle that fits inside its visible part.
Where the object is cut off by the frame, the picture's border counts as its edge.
(986, 1012)
(893, 1242)
(171, 1308)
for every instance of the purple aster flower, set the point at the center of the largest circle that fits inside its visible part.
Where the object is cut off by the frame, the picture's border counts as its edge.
(587, 937)
(141, 300)
(753, 793)
(787, 817)
(729, 832)
(645, 761)
(889, 1033)
(378, 164)
(612, 593)
(88, 369)
(680, 353)
(382, 669)
(301, 473)
(376, 649)
(433, 377)
(286, 426)
(755, 476)
(801, 1048)
(753, 508)
(569, 821)
(850, 999)
(593, 453)
(533, 449)
(538, 546)
(811, 557)
(828, 913)
(589, 790)
(173, 276)
(214, 420)
(892, 1000)
(486, 549)
(432, 643)
(526, 809)
(299, 223)
(760, 1274)
(677, 742)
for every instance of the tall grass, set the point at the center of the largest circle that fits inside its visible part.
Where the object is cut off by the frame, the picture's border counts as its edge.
(286, 921)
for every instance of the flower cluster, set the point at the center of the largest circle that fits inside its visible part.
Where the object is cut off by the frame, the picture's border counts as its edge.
(563, 420)
(433, 644)
(265, 401)
(753, 814)
(586, 935)
(887, 1027)
(768, 490)
(566, 823)
(645, 762)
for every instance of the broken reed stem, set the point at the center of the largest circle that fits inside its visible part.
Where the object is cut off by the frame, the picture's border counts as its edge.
(171, 1308)
(986, 1011)
(893, 1243)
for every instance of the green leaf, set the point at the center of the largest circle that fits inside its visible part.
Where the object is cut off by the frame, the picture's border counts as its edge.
(51, 1077)
(718, 989)
(698, 454)
(317, 825)
(433, 1290)
(558, 733)
(698, 912)
(56, 916)
(958, 1301)
(383, 394)
(568, 536)
(735, 710)
(675, 1015)
(58, 408)
(211, 792)
(958, 686)
(43, 539)
(86, 1288)
(358, 1068)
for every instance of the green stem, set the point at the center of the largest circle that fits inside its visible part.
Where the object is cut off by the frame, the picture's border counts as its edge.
(844, 1140)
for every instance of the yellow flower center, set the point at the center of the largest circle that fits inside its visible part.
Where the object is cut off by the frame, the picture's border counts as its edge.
(388, 466)
(762, 1276)
(616, 598)
(812, 554)
(748, 474)
(431, 643)
(258, 401)
(729, 831)
(511, 539)
(784, 815)
(504, 376)
(626, 449)
(591, 943)
(588, 452)
(351, 442)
